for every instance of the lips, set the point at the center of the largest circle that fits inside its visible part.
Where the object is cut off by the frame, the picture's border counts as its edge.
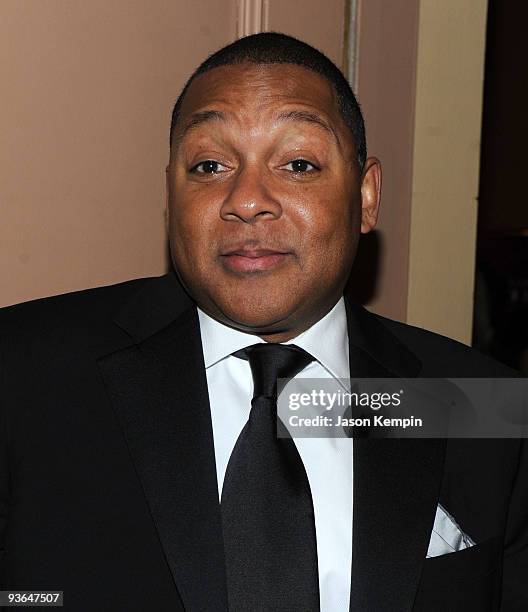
(253, 260)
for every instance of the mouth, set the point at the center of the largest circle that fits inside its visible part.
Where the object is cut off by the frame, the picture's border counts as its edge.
(253, 260)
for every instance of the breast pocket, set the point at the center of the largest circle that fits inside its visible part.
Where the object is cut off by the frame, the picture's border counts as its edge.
(464, 580)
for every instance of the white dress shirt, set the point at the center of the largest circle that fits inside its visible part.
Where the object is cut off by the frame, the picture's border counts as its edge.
(328, 461)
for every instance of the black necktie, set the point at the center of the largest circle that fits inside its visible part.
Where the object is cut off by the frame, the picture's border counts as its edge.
(267, 509)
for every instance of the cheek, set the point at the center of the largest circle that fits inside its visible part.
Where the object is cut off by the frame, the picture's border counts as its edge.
(191, 229)
(329, 231)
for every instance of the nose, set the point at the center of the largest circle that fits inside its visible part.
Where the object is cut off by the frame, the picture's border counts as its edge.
(249, 199)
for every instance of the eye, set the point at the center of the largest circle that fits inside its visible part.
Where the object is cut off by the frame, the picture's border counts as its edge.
(301, 166)
(209, 166)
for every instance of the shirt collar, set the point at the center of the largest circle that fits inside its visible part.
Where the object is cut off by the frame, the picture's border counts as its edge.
(326, 340)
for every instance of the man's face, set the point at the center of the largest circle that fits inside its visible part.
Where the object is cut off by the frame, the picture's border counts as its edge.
(266, 200)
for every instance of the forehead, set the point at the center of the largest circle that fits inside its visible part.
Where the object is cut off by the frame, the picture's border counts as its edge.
(253, 87)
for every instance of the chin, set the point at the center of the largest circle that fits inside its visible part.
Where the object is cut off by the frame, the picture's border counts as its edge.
(258, 315)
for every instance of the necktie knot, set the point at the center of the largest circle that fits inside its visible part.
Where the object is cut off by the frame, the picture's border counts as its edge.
(271, 361)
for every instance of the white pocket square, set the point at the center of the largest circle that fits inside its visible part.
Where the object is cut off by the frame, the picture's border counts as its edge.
(446, 537)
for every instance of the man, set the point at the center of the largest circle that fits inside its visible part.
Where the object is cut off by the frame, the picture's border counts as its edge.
(140, 467)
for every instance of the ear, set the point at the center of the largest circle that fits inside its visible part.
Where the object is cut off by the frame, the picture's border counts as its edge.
(370, 194)
(167, 197)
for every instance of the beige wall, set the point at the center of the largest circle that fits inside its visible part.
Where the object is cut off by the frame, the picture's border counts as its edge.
(420, 83)
(449, 86)
(385, 75)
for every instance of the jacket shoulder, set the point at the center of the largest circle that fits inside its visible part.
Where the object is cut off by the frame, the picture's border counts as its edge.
(439, 353)
(76, 310)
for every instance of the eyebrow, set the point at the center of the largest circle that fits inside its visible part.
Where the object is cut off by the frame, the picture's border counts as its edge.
(308, 117)
(198, 119)
(207, 116)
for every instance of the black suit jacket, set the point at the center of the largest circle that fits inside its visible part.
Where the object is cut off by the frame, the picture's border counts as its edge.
(108, 488)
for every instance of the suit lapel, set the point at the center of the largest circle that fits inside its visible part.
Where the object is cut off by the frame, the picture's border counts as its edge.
(396, 484)
(158, 389)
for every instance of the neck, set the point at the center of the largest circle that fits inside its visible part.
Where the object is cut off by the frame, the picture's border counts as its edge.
(284, 334)
(281, 330)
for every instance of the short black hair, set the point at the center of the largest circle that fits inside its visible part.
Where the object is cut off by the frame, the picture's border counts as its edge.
(277, 48)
